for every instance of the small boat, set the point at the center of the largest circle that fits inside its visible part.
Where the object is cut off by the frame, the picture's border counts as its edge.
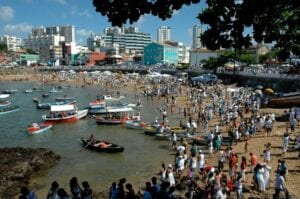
(9, 109)
(53, 90)
(135, 124)
(97, 107)
(116, 116)
(151, 131)
(45, 95)
(101, 146)
(64, 99)
(64, 113)
(28, 91)
(4, 100)
(286, 100)
(47, 105)
(107, 109)
(9, 91)
(111, 98)
(36, 89)
(36, 100)
(36, 128)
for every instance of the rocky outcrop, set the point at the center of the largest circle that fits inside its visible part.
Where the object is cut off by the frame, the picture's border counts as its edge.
(18, 164)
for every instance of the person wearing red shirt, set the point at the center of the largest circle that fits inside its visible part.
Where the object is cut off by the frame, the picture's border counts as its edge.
(253, 161)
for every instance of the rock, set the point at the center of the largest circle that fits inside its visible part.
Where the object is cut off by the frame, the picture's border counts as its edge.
(18, 164)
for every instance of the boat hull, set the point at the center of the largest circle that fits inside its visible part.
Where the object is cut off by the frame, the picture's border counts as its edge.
(113, 148)
(73, 118)
(285, 101)
(43, 127)
(9, 109)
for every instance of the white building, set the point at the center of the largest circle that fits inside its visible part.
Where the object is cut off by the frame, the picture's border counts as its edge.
(198, 55)
(37, 42)
(127, 40)
(197, 31)
(163, 34)
(13, 43)
(68, 31)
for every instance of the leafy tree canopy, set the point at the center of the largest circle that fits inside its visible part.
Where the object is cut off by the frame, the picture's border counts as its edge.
(271, 20)
(3, 47)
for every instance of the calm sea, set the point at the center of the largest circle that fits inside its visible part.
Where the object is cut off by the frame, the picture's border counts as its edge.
(141, 159)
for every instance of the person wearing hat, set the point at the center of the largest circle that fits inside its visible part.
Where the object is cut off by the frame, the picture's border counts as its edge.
(180, 165)
(170, 175)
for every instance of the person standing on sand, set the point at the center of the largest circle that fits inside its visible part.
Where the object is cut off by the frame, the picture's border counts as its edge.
(253, 161)
(286, 139)
(75, 188)
(52, 193)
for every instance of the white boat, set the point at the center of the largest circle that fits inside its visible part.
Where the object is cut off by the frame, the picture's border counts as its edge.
(64, 113)
(28, 91)
(116, 116)
(111, 98)
(4, 100)
(36, 128)
(107, 109)
(132, 124)
(97, 104)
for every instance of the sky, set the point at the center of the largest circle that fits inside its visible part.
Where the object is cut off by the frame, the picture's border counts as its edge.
(18, 17)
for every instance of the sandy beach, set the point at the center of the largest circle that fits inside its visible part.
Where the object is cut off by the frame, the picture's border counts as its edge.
(256, 144)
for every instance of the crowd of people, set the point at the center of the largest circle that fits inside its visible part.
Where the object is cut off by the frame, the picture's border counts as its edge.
(221, 120)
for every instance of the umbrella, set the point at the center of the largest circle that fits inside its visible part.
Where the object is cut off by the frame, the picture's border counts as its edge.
(269, 91)
(258, 93)
(259, 87)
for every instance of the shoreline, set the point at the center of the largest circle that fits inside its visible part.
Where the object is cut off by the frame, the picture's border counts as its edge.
(256, 144)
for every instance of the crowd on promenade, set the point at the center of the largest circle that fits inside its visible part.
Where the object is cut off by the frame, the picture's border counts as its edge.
(222, 119)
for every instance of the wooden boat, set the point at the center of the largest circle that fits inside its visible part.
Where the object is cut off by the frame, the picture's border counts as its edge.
(4, 100)
(116, 116)
(151, 131)
(9, 109)
(35, 128)
(64, 113)
(47, 105)
(101, 146)
(135, 124)
(286, 100)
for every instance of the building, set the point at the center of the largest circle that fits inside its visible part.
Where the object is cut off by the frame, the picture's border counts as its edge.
(68, 31)
(183, 51)
(258, 50)
(50, 42)
(13, 43)
(198, 55)
(28, 59)
(124, 40)
(160, 53)
(163, 34)
(197, 31)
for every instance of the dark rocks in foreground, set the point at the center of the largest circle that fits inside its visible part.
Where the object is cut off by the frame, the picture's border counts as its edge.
(18, 164)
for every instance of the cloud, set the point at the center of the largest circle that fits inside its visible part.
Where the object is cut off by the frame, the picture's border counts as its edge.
(6, 13)
(63, 2)
(17, 28)
(84, 32)
(85, 13)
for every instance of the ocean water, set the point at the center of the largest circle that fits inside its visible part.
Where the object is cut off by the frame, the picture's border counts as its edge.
(142, 157)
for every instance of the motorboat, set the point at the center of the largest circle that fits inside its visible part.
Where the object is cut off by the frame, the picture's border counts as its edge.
(36, 128)
(64, 113)
(116, 116)
(4, 100)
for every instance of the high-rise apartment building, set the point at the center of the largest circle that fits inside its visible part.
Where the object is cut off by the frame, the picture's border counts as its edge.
(129, 40)
(13, 43)
(197, 31)
(163, 34)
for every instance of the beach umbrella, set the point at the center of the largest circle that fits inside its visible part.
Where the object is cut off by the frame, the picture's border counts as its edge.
(259, 87)
(258, 92)
(269, 91)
